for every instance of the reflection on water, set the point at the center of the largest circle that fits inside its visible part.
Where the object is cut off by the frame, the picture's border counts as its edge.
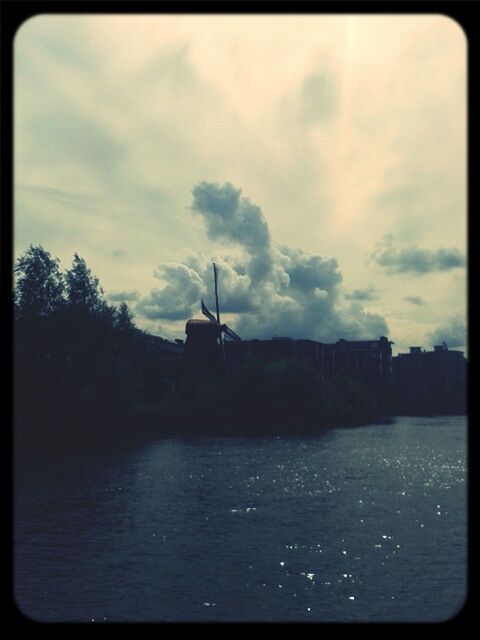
(360, 524)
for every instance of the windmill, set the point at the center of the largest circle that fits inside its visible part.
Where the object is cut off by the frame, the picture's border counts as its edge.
(204, 355)
(224, 329)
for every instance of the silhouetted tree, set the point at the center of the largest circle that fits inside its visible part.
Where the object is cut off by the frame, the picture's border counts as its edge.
(78, 360)
(39, 284)
(124, 319)
(83, 290)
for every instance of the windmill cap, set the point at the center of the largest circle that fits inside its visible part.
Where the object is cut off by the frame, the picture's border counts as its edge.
(201, 326)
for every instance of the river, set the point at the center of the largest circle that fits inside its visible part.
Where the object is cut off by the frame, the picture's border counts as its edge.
(366, 524)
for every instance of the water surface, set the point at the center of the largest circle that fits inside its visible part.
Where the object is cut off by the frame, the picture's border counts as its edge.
(364, 524)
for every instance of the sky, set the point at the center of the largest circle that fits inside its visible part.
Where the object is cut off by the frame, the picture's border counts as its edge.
(318, 160)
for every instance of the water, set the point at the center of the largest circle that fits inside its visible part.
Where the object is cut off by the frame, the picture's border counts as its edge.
(364, 524)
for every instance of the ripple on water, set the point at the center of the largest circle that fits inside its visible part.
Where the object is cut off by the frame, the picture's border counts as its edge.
(265, 529)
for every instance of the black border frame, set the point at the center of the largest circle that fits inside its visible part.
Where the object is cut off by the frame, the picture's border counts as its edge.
(13, 14)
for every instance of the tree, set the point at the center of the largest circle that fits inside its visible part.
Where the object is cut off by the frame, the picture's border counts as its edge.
(40, 287)
(124, 318)
(78, 360)
(82, 288)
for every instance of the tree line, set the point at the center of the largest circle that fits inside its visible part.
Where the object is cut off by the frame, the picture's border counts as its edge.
(84, 375)
(80, 364)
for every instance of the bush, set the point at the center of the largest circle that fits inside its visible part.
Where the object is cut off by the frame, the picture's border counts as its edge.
(280, 396)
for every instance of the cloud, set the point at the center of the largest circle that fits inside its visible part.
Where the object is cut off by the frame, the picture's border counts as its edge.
(357, 324)
(418, 300)
(231, 217)
(319, 99)
(123, 296)
(178, 298)
(234, 283)
(116, 119)
(453, 332)
(306, 272)
(362, 294)
(272, 289)
(417, 261)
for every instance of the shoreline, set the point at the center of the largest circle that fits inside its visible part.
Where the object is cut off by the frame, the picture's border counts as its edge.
(36, 452)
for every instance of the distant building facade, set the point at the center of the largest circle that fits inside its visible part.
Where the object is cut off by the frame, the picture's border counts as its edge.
(368, 360)
(416, 382)
(430, 381)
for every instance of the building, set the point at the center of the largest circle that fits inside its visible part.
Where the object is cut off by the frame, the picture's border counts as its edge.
(317, 354)
(430, 381)
(203, 357)
(369, 360)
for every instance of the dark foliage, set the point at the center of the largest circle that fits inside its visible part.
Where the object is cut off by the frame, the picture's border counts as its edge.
(284, 396)
(78, 361)
(85, 376)
(39, 290)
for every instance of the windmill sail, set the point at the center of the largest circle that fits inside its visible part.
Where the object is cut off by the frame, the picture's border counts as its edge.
(231, 335)
(208, 313)
(228, 333)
